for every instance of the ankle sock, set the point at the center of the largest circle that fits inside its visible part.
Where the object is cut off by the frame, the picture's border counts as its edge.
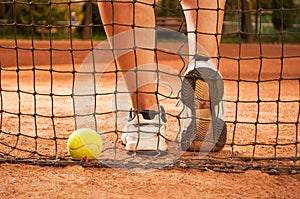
(148, 114)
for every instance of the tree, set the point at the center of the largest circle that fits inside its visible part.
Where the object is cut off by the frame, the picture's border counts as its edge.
(246, 21)
(87, 20)
(233, 8)
(91, 16)
(282, 16)
(5, 11)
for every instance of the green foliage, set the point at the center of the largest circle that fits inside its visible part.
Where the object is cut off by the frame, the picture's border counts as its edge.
(29, 15)
(265, 4)
(168, 8)
(231, 5)
(283, 17)
(38, 12)
(5, 10)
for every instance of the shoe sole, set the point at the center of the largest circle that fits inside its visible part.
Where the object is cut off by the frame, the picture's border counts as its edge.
(197, 96)
(154, 143)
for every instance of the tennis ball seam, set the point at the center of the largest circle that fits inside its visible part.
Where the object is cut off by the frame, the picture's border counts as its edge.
(92, 148)
(86, 144)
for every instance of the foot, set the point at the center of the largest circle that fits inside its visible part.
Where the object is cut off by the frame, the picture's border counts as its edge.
(145, 131)
(202, 92)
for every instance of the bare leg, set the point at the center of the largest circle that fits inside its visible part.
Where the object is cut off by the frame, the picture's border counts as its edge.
(205, 24)
(130, 18)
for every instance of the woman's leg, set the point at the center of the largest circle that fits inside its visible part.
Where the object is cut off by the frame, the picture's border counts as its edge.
(204, 23)
(131, 25)
(136, 22)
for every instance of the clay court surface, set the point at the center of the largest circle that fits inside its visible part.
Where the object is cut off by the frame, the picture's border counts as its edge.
(32, 181)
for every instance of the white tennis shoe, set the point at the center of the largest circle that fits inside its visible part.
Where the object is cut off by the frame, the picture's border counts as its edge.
(145, 131)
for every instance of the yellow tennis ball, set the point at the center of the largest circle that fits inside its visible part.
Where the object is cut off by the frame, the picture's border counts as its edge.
(84, 142)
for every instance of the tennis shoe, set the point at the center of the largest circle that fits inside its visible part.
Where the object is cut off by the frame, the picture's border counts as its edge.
(202, 93)
(145, 131)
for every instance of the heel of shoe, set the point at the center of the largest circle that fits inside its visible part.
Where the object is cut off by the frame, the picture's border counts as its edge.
(205, 132)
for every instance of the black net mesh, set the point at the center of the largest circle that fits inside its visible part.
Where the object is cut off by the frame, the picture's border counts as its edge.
(50, 50)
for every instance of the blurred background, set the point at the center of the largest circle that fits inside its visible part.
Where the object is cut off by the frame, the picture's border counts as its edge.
(264, 21)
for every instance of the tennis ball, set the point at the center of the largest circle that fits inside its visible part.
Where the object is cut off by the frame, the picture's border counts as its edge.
(84, 142)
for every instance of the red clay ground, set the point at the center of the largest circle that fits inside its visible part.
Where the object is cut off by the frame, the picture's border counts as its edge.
(27, 181)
